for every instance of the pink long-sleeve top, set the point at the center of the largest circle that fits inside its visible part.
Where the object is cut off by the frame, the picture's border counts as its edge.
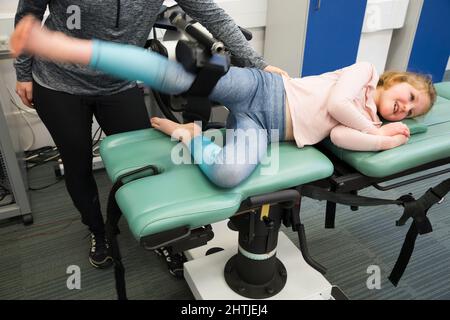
(339, 104)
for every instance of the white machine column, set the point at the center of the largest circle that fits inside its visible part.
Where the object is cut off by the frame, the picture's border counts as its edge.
(380, 20)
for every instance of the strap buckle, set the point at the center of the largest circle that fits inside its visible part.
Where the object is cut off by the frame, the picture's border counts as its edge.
(437, 196)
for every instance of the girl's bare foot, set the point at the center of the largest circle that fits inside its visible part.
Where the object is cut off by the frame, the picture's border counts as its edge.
(182, 132)
(31, 38)
(23, 34)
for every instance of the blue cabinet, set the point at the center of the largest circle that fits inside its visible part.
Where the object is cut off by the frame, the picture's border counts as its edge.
(333, 34)
(431, 47)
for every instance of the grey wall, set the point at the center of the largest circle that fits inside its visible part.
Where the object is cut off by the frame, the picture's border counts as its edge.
(286, 34)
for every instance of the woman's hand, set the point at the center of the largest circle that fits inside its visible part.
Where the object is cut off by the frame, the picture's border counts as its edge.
(25, 91)
(277, 70)
(393, 129)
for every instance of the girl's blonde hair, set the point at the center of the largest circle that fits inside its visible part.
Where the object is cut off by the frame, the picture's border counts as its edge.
(419, 81)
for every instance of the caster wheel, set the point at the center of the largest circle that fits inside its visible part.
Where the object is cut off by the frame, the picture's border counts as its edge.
(27, 219)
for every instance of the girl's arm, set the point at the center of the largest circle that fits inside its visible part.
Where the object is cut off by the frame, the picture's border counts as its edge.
(351, 139)
(353, 80)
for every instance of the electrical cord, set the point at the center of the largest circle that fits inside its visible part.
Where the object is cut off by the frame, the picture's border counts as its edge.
(44, 187)
(40, 157)
(4, 192)
(95, 147)
(26, 110)
(96, 151)
(22, 111)
(31, 156)
(96, 139)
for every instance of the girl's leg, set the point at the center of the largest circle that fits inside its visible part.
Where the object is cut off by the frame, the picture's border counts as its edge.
(229, 166)
(235, 90)
(134, 63)
(124, 61)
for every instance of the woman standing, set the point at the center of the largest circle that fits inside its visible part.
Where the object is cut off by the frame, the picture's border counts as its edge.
(67, 96)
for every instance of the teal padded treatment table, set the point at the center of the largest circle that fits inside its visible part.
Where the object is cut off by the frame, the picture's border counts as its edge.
(173, 205)
(181, 194)
(443, 89)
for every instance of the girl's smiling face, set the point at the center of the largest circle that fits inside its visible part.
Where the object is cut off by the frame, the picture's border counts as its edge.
(401, 101)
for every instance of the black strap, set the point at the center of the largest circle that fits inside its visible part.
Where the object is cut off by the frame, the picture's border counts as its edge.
(415, 209)
(319, 193)
(206, 80)
(197, 109)
(330, 215)
(420, 225)
(198, 106)
(113, 215)
(405, 255)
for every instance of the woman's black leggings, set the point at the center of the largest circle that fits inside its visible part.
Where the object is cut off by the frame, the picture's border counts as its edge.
(69, 120)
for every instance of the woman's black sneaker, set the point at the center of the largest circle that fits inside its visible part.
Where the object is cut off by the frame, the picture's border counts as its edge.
(174, 261)
(100, 256)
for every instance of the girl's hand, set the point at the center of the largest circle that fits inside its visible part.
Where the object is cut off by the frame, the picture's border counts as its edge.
(393, 129)
(22, 35)
(395, 141)
(277, 70)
